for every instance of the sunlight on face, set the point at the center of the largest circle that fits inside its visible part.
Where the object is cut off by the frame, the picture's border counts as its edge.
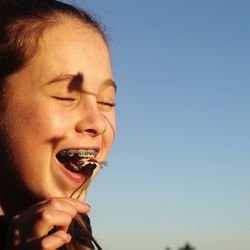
(63, 99)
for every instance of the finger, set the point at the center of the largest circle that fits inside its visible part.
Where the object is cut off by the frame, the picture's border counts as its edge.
(60, 203)
(38, 220)
(55, 240)
(80, 206)
(48, 219)
(68, 205)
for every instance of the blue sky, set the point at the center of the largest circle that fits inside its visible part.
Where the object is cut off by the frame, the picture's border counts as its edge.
(179, 170)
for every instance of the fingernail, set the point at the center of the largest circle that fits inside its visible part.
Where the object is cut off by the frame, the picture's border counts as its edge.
(86, 204)
(84, 207)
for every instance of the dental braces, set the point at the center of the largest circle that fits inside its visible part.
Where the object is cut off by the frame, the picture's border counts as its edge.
(72, 152)
(81, 163)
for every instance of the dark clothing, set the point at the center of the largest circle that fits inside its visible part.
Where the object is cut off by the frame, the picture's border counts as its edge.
(80, 236)
(3, 230)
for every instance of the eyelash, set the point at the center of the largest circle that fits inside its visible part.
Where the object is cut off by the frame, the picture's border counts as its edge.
(69, 99)
(64, 98)
(107, 104)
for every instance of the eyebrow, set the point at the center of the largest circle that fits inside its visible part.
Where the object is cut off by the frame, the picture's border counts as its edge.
(64, 77)
(60, 78)
(110, 82)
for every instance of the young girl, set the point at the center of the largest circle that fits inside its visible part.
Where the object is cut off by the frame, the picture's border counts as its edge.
(57, 122)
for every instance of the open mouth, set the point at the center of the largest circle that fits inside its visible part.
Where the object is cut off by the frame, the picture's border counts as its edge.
(78, 161)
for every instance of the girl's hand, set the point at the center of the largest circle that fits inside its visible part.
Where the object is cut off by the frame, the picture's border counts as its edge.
(44, 226)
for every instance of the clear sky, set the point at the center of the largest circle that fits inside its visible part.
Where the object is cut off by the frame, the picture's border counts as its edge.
(180, 169)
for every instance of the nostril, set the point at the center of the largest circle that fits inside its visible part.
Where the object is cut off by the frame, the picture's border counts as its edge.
(91, 132)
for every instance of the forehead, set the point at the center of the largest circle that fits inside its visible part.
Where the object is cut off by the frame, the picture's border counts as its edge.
(72, 47)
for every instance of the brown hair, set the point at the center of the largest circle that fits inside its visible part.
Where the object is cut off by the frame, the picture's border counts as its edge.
(22, 23)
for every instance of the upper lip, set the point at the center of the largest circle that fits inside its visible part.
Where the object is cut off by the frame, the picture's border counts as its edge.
(97, 149)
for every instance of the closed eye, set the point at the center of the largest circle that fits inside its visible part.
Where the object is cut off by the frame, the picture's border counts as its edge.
(60, 98)
(106, 106)
(109, 104)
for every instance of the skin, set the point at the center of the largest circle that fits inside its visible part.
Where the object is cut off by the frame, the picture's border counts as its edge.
(62, 99)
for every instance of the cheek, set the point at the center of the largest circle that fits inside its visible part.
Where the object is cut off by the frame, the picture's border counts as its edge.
(113, 123)
(47, 124)
(35, 128)
(32, 127)
(111, 129)
(42, 121)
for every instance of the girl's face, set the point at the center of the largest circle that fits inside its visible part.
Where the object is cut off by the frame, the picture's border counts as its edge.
(63, 99)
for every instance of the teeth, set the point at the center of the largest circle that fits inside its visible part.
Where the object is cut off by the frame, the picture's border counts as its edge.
(86, 153)
(71, 153)
(86, 158)
(81, 159)
(80, 153)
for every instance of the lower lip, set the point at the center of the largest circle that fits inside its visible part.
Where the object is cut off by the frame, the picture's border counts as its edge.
(77, 178)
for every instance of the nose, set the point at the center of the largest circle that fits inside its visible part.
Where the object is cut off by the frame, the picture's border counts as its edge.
(91, 122)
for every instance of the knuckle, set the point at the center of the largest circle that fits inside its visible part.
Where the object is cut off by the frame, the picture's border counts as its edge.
(46, 216)
(54, 203)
